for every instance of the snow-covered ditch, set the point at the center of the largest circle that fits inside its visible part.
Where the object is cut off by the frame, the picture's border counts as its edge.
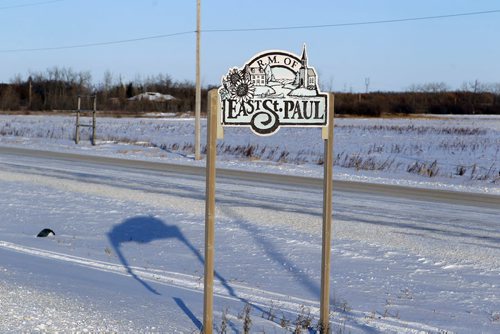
(128, 255)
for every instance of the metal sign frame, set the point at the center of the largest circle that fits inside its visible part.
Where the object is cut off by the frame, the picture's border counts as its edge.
(215, 123)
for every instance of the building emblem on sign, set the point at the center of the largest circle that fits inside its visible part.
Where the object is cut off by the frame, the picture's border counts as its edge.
(273, 89)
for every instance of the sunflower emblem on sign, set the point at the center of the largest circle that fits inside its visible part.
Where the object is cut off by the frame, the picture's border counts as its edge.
(237, 86)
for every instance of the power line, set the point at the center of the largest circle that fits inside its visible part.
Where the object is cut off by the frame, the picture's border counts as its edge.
(31, 4)
(76, 46)
(319, 26)
(347, 24)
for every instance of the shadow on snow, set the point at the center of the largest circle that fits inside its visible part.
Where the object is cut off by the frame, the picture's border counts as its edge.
(145, 229)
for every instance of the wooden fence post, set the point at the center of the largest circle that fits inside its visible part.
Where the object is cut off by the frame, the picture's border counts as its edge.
(77, 126)
(94, 119)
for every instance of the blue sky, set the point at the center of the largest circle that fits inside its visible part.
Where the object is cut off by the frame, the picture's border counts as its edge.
(394, 55)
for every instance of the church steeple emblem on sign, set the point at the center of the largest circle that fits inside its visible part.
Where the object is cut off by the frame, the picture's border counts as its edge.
(306, 77)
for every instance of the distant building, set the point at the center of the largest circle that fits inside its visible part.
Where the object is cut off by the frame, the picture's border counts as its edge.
(152, 96)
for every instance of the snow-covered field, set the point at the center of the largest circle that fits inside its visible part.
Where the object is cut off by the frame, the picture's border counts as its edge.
(128, 250)
(461, 153)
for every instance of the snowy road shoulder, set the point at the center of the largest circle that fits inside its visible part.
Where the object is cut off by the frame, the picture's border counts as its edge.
(394, 271)
(30, 304)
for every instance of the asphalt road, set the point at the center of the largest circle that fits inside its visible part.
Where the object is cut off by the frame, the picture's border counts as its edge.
(445, 196)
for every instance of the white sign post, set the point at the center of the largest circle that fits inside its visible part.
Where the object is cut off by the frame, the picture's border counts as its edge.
(274, 89)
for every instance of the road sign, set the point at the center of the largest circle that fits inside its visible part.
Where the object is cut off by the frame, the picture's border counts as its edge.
(273, 89)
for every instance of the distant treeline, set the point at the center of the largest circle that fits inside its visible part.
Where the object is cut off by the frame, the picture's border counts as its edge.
(58, 89)
(453, 102)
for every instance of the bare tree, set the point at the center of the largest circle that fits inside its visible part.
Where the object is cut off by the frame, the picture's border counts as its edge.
(435, 87)
(107, 84)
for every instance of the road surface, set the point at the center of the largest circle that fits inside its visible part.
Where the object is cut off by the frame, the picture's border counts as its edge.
(453, 197)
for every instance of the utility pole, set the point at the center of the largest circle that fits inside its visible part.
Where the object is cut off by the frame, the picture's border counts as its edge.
(197, 127)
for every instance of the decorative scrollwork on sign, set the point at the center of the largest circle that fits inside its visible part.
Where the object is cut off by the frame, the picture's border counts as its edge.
(265, 122)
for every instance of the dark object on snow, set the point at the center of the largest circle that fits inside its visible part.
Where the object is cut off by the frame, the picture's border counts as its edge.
(45, 233)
